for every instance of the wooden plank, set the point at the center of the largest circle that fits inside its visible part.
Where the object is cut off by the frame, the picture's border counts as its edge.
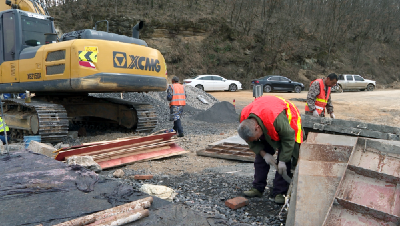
(120, 155)
(128, 159)
(224, 156)
(228, 152)
(127, 138)
(164, 156)
(164, 143)
(110, 141)
(118, 148)
(123, 153)
(152, 158)
(61, 155)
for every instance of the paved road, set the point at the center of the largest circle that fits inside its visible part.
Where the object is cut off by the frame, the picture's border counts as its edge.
(379, 106)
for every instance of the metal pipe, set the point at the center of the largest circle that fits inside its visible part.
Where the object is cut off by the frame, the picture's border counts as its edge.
(137, 28)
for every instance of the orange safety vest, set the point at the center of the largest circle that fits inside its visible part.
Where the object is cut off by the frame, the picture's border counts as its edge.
(321, 100)
(267, 108)
(178, 95)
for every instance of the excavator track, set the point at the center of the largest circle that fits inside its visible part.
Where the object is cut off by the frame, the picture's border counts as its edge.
(147, 117)
(146, 114)
(48, 120)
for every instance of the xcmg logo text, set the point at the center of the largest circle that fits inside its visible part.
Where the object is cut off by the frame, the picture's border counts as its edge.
(135, 62)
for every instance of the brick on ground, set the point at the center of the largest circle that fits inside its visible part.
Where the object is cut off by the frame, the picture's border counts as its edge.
(143, 177)
(236, 203)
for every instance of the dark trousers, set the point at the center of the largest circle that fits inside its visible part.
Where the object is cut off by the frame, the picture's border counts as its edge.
(261, 173)
(3, 138)
(178, 126)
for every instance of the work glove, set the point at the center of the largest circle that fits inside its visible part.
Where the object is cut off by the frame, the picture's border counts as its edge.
(332, 115)
(269, 159)
(282, 168)
(315, 113)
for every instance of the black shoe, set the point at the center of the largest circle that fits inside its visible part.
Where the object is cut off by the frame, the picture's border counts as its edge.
(181, 135)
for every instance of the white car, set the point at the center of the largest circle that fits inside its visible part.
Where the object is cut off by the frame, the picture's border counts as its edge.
(213, 82)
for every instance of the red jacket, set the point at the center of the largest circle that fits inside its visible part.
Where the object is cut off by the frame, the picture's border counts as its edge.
(267, 108)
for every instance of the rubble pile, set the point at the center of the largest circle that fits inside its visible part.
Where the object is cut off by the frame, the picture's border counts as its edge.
(219, 112)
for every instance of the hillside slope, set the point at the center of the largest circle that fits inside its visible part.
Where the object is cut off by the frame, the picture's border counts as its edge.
(247, 39)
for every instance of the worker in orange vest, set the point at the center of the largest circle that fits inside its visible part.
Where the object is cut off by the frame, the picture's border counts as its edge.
(319, 96)
(268, 124)
(177, 97)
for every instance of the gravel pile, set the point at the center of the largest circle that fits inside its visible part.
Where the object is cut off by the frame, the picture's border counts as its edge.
(159, 101)
(219, 112)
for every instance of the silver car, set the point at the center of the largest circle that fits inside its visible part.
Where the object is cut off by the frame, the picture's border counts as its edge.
(353, 82)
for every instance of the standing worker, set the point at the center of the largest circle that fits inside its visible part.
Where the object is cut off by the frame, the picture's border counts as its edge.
(177, 97)
(2, 133)
(267, 124)
(319, 96)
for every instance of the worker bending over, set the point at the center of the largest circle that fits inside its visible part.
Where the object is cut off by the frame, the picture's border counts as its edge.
(271, 123)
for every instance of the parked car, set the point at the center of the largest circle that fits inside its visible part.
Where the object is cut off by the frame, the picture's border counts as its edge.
(354, 82)
(278, 83)
(213, 82)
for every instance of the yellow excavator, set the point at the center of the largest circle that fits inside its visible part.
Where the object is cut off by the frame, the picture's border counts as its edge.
(62, 71)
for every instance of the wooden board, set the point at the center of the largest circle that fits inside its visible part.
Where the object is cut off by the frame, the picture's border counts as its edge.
(229, 151)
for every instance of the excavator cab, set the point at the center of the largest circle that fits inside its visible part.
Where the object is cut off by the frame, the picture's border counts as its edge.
(21, 30)
(22, 34)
